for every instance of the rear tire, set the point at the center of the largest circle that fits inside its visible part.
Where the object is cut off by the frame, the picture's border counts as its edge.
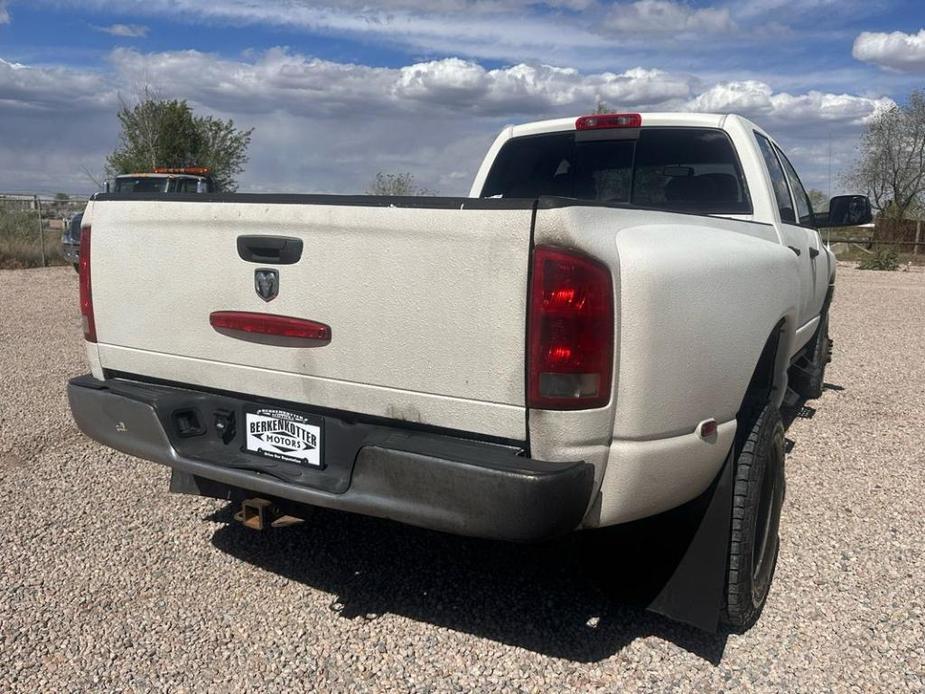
(809, 373)
(756, 509)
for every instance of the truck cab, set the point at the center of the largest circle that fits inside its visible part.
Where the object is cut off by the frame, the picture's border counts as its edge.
(721, 165)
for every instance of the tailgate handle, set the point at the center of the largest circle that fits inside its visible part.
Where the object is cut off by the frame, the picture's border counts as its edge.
(278, 250)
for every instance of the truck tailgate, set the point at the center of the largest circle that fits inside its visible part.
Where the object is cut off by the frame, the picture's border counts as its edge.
(427, 305)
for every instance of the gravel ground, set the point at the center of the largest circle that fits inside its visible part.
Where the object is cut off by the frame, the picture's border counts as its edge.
(110, 583)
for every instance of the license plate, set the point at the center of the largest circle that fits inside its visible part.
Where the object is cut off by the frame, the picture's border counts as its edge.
(285, 436)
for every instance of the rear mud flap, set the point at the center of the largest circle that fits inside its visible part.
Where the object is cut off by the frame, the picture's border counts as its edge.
(694, 593)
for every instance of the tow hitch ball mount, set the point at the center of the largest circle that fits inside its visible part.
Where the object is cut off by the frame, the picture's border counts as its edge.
(259, 514)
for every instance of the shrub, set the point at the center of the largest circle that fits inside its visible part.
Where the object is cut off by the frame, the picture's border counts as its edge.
(884, 259)
(20, 246)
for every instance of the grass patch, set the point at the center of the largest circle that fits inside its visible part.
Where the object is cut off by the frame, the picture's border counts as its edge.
(883, 259)
(20, 243)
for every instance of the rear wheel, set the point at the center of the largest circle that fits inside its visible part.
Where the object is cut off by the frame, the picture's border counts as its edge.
(757, 501)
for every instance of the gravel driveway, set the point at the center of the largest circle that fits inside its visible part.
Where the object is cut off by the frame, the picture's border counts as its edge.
(108, 582)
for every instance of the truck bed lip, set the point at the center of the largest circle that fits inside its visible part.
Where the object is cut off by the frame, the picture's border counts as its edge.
(419, 202)
(438, 482)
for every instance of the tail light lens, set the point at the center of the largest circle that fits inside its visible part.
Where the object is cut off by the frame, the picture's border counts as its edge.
(86, 296)
(570, 342)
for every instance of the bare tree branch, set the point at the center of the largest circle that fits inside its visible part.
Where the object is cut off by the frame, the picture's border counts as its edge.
(891, 165)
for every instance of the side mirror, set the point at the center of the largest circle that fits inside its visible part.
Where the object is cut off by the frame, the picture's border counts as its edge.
(848, 211)
(108, 186)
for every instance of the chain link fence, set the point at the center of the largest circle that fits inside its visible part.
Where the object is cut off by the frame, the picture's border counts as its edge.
(31, 227)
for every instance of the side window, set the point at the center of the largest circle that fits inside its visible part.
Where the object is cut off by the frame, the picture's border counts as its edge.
(804, 206)
(778, 179)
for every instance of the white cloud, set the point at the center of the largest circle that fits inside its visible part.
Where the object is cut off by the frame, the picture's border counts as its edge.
(25, 88)
(812, 109)
(580, 33)
(131, 31)
(896, 50)
(278, 79)
(666, 17)
(762, 9)
(505, 29)
(323, 126)
(4, 13)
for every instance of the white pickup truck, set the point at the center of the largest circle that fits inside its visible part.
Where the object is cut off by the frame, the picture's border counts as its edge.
(603, 331)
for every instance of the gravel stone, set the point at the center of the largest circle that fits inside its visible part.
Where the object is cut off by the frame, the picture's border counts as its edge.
(109, 583)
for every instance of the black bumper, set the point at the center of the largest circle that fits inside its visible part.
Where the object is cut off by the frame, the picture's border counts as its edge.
(421, 478)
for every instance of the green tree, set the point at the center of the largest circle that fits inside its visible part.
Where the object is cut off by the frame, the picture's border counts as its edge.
(401, 183)
(160, 132)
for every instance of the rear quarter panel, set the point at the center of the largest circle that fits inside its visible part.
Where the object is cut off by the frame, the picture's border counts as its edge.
(696, 299)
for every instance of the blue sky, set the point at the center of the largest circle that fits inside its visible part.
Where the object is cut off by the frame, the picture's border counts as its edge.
(339, 90)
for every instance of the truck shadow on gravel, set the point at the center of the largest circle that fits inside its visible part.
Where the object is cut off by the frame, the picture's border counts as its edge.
(581, 597)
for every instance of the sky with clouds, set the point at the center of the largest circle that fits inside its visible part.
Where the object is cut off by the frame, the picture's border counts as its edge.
(337, 91)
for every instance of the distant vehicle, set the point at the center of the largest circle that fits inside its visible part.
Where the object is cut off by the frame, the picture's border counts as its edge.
(191, 179)
(70, 240)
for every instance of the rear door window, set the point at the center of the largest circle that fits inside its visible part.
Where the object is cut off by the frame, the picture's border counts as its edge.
(778, 179)
(678, 169)
(804, 206)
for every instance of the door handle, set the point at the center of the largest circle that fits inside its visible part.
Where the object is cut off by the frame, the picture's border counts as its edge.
(794, 249)
(813, 252)
(275, 250)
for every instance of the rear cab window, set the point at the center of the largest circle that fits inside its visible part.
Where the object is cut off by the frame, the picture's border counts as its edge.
(778, 179)
(186, 185)
(141, 184)
(665, 168)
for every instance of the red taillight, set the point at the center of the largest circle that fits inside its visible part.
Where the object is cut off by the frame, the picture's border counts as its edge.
(245, 324)
(86, 296)
(570, 359)
(609, 120)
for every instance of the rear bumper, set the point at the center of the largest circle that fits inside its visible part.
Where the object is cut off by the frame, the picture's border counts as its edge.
(425, 479)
